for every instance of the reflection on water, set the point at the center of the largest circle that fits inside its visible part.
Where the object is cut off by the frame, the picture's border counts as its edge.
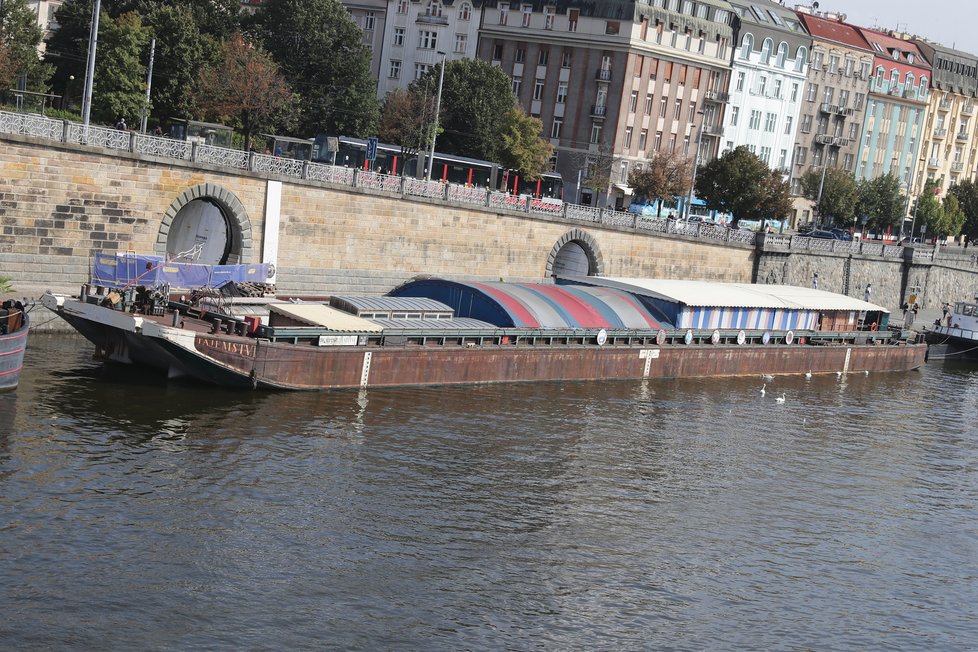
(667, 515)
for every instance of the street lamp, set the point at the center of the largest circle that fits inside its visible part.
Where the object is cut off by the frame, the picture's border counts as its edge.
(818, 199)
(696, 162)
(90, 67)
(434, 131)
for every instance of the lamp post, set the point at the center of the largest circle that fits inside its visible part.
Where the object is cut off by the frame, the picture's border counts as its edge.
(90, 67)
(818, 199)
(696, 162)
(434, 131)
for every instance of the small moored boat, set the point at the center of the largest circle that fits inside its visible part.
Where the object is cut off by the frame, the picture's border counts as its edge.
(14, 326)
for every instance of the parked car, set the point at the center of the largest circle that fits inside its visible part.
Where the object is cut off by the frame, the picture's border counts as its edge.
(842, 234)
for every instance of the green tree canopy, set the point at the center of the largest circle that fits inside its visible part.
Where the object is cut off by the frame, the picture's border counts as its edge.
(953, 215)
(19, 37)
(321, 53)
(966, 192)
(120, 87)
(476, 99)
(839, 195)
(405, 121)
(881, 201)
(522, 148)
(664, 176)
(740, 183)
(245, 89)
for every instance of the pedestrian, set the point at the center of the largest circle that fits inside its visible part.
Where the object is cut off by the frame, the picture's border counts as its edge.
(120, 124)
(947, 310)
(815, 281)
(868, 293)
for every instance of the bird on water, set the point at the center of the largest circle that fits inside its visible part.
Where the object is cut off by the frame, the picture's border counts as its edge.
(762, 389)
(808, 375)
(780, 399)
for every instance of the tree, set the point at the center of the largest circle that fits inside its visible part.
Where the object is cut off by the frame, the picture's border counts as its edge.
(966, 192)
(881, 201)
(838, 198)
(119, 71)
(188, 36)
(929, 210)
(476, 98)
(246, 88)
(522, 147)
(664, 176)
(405, 121)
(320, 51)
(19, 37)
(741, 184)
(953, 216)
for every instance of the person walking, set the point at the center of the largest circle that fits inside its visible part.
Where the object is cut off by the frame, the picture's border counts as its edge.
(868, 293)
(815, 281)
(121, 124)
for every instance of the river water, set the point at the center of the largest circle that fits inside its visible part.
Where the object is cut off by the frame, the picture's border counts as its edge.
(668, 515)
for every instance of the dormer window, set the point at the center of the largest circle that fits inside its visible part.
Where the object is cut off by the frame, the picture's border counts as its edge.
(896, 55)
(910, 57)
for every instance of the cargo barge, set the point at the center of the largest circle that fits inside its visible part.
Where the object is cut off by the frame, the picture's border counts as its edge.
(433, 331)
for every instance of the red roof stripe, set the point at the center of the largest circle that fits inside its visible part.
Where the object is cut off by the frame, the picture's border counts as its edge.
(585, 315)
(511, 304)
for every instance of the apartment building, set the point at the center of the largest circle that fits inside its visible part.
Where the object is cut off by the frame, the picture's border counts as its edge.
(45, 10)
(949, 142)
(893, 126)
(834, 101)
(767, 80)
(613, 82)
(371, 17)
(420, 34)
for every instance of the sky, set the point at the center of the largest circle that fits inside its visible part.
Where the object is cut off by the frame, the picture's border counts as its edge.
(949, 22)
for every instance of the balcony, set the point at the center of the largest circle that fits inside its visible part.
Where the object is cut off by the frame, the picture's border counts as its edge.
(961, 136)
(717, 96)
(712, 130)
(957, 166)
(603, 74)
(933, 162)
(826, 108)
(945, 105)
(825, 139)
(599, 110)
(939, 133)
(432, 20)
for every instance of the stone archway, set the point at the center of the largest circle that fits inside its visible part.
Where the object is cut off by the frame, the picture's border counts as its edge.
(209, 216)
(576, 253)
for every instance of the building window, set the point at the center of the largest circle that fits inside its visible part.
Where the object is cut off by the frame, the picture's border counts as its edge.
(503, 13)
(686, 145)
(497, 51)
(770, 121)
(368, 21)
(765, 155)
(777, 88)
(740, 81)
(543, 57)
(662, 107)
(692, 111)
(672, 143)
(562, 93)
(788, 121)
(623, 173)
(566, 57)
(648, 104)
(783, 160)
(643, 139)
(812, 91)
(611, 27)
(433, 8)
(628, 137)
(402, 6)
(538, 90)
(548, 17)
(427, 40)
(658, 141)
(520, 55)
(734, 115)
(633, 102)
(572, 16)
(794, 92)
(420, 69)
(395, 72)
(527, 15)
(464, 11)
(461, 41)
(755, 120)
(517, 85)
(677, 109)
(595, 134)
(556, 128)
(398, 36)
(762, 86)
(806, 124)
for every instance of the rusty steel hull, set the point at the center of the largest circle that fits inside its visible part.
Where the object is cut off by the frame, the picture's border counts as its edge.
(304, 367)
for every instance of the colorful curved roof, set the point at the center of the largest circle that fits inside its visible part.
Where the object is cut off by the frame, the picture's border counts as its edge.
(535, 305)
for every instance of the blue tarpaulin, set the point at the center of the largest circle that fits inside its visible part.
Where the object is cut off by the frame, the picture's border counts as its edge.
(121, 270)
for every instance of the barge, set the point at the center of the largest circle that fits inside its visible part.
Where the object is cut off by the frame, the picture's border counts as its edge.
(955, 337)
(433, 331)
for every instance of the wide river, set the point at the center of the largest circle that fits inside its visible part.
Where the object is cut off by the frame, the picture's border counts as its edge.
(667, 515)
